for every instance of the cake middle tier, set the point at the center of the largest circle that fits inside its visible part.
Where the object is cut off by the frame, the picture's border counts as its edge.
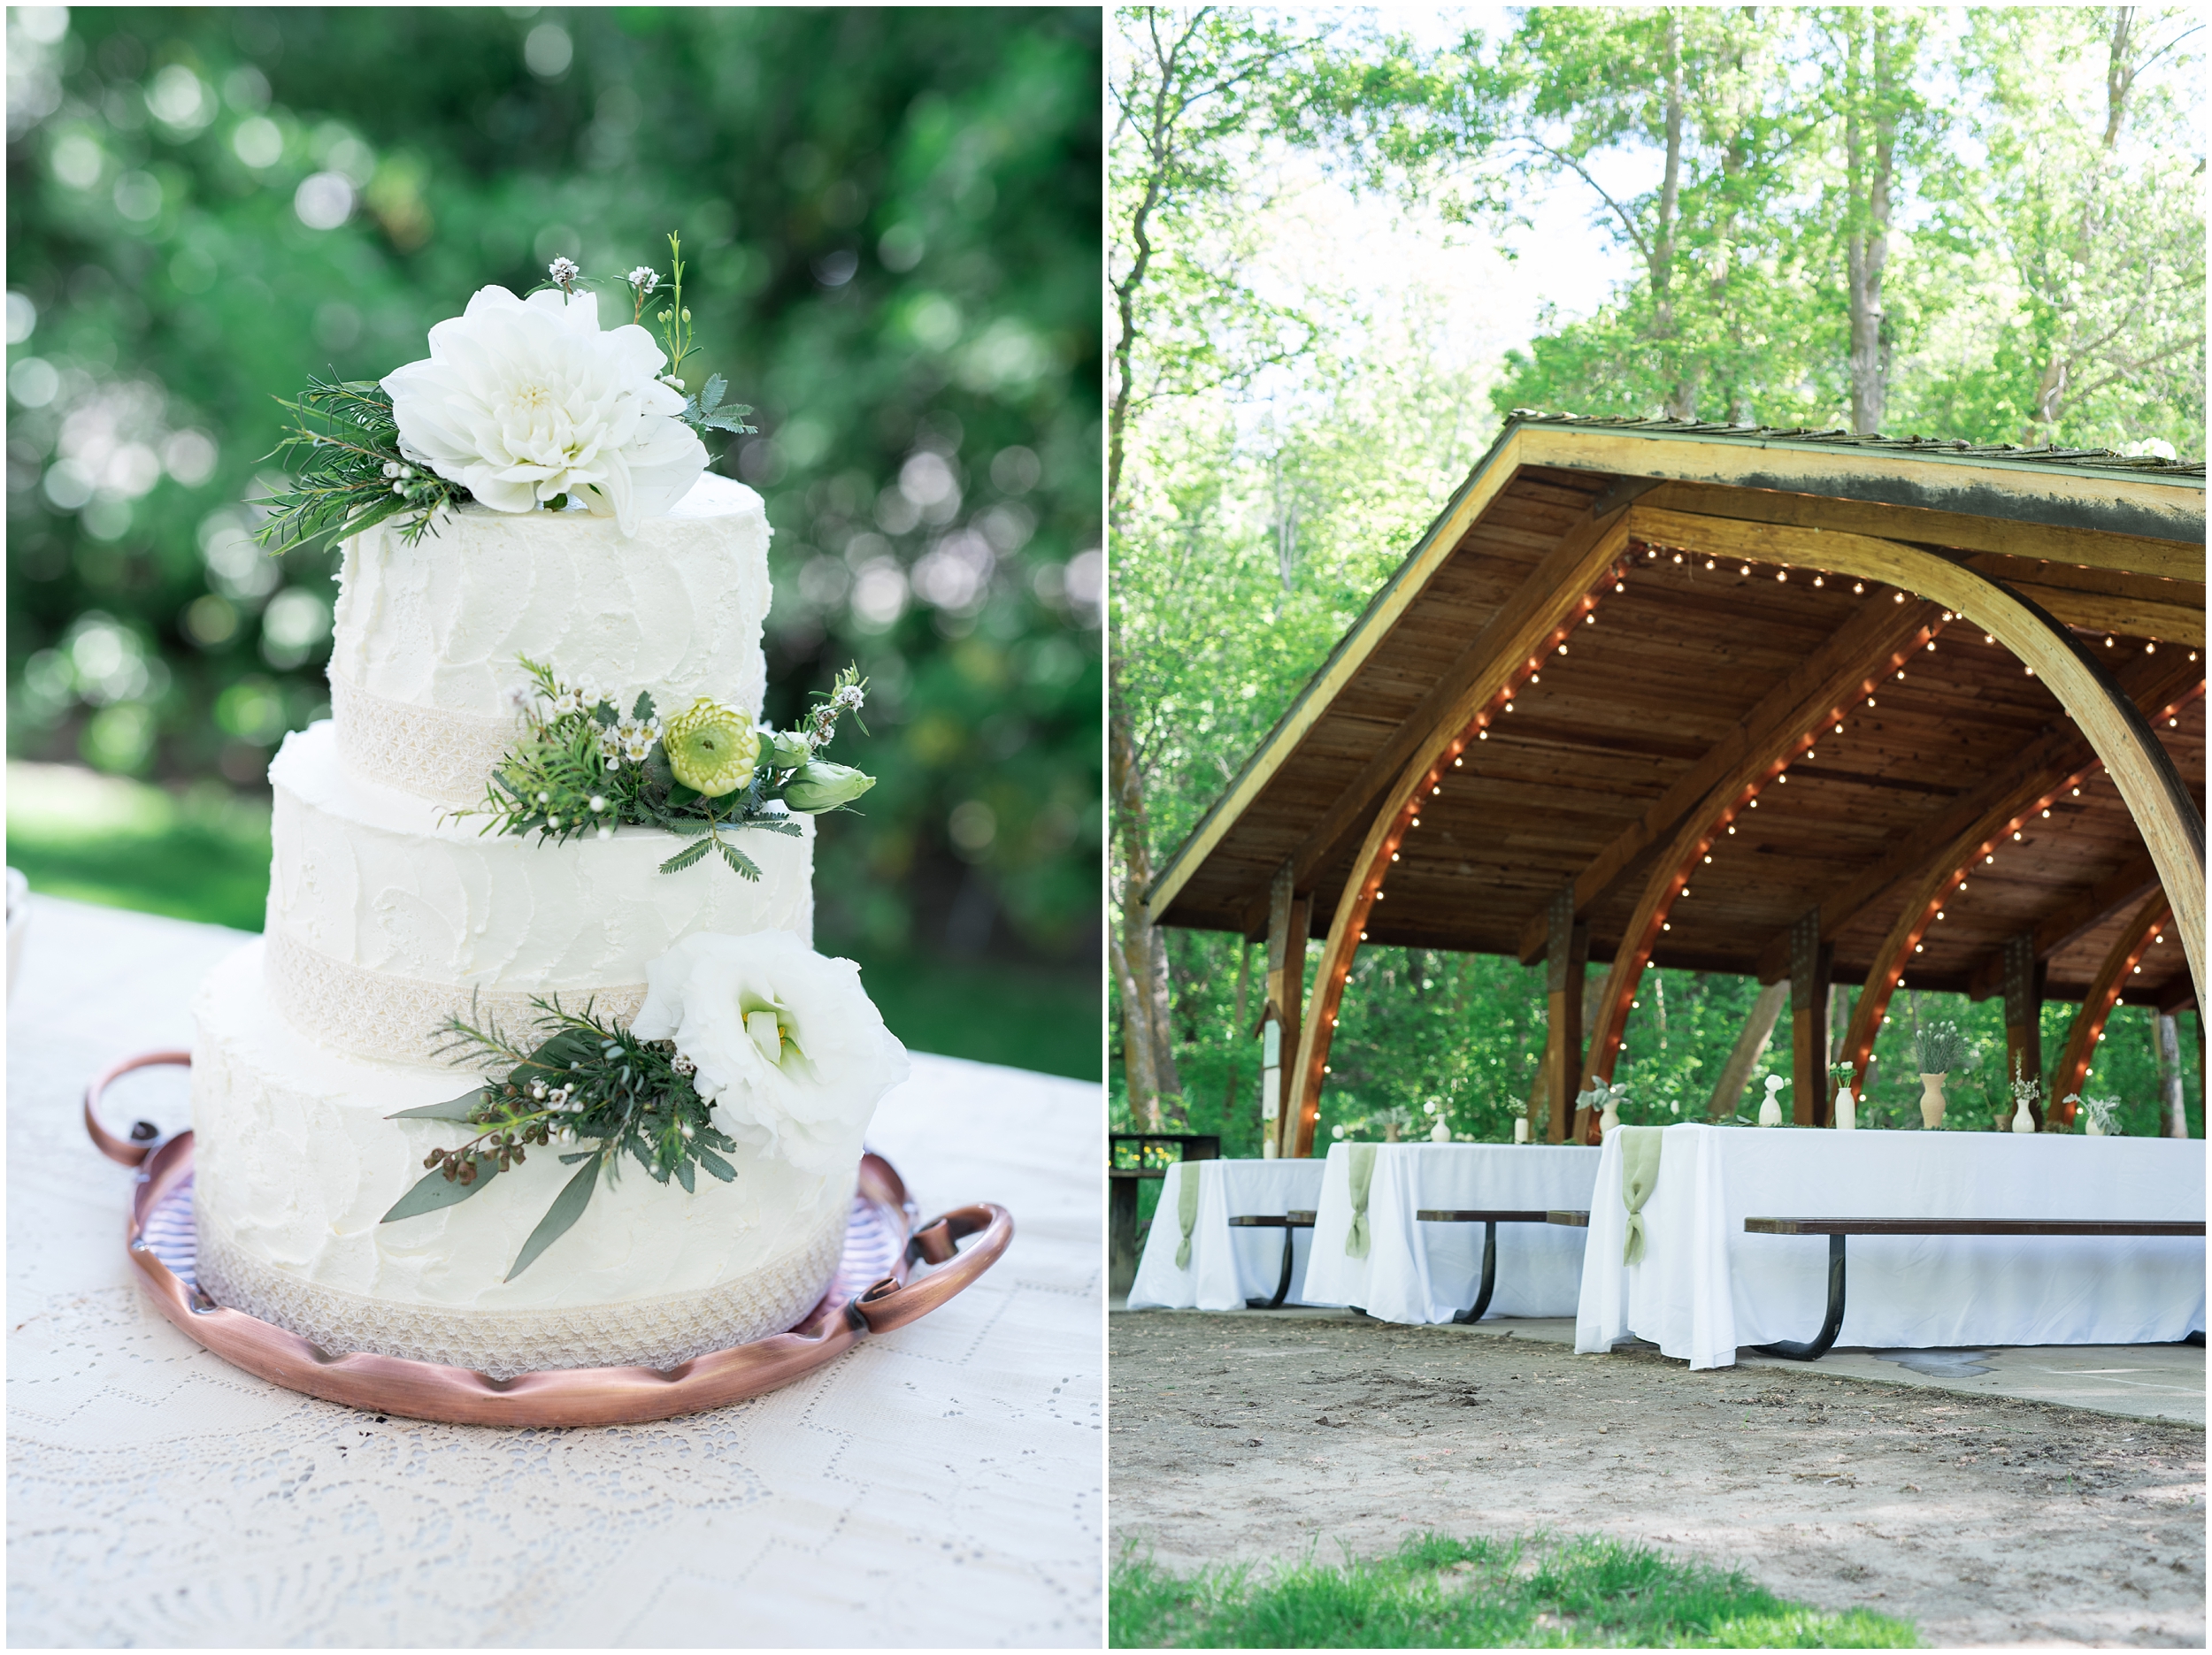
(384, 920)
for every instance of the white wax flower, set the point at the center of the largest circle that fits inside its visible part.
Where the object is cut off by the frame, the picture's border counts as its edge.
(788, 1046)
(521, 401)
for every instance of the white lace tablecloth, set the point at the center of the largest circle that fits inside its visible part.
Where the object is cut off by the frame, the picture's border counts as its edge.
(1422, 1272)
(940, 1485)
(1704, 1287)
(1227, 1264)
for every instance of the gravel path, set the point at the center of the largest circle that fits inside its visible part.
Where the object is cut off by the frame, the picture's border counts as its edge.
(1991, 1521)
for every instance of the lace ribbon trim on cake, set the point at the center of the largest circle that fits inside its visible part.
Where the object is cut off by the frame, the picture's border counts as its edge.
(397, 1019)
(445, 757)
(659, 1332)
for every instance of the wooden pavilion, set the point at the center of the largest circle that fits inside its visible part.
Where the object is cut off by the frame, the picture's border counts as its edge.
(1784, 703)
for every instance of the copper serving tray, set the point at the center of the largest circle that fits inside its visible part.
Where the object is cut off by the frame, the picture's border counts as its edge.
(572, 1395)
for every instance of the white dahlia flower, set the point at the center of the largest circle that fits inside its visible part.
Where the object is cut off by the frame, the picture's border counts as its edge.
(788, 1046)
(524, 400)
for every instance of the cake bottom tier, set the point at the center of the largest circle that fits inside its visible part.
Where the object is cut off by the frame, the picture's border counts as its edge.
(295, 1165)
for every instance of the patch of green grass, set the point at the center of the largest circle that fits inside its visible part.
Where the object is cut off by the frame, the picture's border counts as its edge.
(1436, 1591)
(203, 855)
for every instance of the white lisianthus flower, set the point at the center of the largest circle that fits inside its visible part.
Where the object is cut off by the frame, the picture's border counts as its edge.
(788, 1046)
(521, 401)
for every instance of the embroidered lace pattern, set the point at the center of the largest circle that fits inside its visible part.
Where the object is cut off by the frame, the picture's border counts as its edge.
(443, 756)
(659, 1332)
(397, 1018)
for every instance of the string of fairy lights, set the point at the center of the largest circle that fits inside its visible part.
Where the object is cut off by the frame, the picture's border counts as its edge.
(1528, 674)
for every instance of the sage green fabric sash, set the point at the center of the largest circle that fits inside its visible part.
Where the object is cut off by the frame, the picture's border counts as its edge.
(1186, 1211)
(1639, 1176)
(1359, 1165)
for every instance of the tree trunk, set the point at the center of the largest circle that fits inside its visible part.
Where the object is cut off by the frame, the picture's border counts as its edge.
(1869, 145)
(2058, 368)
(1681, 398)
(1751, 1045)
(1136, 953)
(2166, 1034)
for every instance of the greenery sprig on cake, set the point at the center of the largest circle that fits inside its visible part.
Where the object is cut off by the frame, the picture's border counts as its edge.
(522, 406)
(588, 1081)
(583, 766)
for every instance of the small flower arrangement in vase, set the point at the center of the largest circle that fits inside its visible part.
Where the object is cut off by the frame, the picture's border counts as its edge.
(2025, 1094)
(1846, 1108)
(1770, 1108)
(2100, 1116)
(1393, 1122)
(1938, 1048)
(1606, 1099)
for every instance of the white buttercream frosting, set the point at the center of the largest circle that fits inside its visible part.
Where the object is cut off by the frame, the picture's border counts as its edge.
(677, 610)
(372, 879)
(295, 1163)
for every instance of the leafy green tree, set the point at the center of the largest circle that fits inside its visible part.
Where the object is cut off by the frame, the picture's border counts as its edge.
(891, 219)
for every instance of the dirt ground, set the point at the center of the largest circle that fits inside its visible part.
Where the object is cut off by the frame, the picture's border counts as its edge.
(1987, 1520)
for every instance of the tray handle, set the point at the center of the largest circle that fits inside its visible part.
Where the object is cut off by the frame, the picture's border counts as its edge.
(889, 1304)
(144, 1137)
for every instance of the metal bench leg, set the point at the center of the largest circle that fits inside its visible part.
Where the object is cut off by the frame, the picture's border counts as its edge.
(1489, 1275)
(1282, 1288)
(1829, 1328)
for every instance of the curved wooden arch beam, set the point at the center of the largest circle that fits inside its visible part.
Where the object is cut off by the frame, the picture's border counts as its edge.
(1711, 821)
(2159, 803)
(1945, 878)
(2120, 963)
(1925, 903)
(1536, 620)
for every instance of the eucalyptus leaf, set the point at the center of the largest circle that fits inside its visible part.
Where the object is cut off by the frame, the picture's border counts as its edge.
(437, 1191)
(462, 1108)
(567, 1207)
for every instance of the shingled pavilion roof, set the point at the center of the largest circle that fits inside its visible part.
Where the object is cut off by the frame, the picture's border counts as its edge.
(1723, 608)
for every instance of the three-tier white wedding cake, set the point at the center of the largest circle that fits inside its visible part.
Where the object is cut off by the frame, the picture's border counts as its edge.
(388, 915)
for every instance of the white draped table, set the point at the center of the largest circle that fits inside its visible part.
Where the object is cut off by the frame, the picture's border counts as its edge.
(1227, 1264)
(1704, 1287)
(1416, 1272)
(937, 1486)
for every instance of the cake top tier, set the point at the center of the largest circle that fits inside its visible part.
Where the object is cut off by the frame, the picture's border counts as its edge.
(425, 659)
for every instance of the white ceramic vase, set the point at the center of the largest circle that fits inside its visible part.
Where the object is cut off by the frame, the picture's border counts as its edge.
(1847, 1110)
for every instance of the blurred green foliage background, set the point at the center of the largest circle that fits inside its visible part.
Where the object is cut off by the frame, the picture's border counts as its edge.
(891, 224)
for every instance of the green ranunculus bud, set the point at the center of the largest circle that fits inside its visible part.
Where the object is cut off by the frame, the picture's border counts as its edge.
(711, 748)
(784, 750)
(821, 785)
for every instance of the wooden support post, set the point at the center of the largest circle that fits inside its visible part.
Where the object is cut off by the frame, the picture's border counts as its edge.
(1812, 962)
(1566, 957)
(2023, 1013)
(1288, 922)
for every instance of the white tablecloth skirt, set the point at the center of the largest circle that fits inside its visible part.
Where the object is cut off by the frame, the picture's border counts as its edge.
(1705, 1287)
(1428, 1273)
(1227, 1266)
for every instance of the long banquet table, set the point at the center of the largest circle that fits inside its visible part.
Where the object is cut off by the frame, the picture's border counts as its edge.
(1425, 1272)
(1704, 1287)
(937, 1486)
(1227, 1264)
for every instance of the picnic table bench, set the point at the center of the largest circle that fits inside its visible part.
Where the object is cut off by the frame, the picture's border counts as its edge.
(1837, 1228)
(1289, 1223)
(1489, 1218)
